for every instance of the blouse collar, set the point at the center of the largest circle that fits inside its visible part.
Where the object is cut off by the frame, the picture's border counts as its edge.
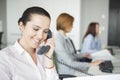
(19, 48)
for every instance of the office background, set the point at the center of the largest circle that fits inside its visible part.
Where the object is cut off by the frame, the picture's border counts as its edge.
(84, 12)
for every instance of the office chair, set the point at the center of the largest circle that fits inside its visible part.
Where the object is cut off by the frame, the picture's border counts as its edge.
(1, 33)
(61, 76)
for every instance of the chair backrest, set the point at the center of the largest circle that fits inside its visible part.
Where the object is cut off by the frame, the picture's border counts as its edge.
(1, 36)
(1, 33)
(61, 76)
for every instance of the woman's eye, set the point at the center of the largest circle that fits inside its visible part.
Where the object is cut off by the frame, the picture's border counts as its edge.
(45, 31)
(35, 29)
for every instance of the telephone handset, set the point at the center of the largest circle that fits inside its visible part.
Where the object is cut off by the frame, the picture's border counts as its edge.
(45, 49)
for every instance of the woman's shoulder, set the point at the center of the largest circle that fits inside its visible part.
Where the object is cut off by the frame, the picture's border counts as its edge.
(6, 60)
(6, 52)
(59, 37)
(89, 36)
(5, 55)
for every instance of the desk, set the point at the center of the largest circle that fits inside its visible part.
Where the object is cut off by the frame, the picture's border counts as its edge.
(95, 69)
(116, 64)
(100, 77)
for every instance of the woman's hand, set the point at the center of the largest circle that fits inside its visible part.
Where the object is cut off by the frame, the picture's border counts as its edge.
(48, 63)
(51, 43)
(95, 63)
(87, 55)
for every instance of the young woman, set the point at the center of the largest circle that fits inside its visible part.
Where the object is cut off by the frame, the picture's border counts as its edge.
(21, 61)
(91, 40)
(65, 52)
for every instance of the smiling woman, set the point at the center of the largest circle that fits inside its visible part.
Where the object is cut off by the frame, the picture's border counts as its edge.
(34, 25)
(35, 31)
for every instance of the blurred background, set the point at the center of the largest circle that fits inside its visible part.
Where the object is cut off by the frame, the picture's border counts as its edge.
(106, 12)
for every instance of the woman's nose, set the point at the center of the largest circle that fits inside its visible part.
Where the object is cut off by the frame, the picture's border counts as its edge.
(40, 35)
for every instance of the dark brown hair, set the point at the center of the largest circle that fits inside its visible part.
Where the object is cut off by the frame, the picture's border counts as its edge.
(91, 29)
(32, 10)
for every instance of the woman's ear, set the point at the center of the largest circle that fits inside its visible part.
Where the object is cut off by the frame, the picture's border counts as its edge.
(21, 26)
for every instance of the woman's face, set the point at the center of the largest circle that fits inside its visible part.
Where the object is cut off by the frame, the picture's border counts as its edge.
(68, 29)
(35, 31)
(97, 29)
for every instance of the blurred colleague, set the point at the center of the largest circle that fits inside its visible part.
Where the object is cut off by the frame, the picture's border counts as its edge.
(21, 61)
(91, 41)
(65, 51)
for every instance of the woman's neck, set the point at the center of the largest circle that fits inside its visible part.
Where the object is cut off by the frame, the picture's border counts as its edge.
(31, 51)
(62, 32)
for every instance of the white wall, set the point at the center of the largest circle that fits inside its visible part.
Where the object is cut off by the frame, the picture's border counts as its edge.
(84, 11)
(95, 10)
(15, 9)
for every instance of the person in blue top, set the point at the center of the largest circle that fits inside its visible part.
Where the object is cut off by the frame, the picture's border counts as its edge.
(91, 41)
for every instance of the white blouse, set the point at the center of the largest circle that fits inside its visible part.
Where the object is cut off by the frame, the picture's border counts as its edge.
(17, 64)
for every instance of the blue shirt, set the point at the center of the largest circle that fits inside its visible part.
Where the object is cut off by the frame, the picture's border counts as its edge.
(91, 44)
